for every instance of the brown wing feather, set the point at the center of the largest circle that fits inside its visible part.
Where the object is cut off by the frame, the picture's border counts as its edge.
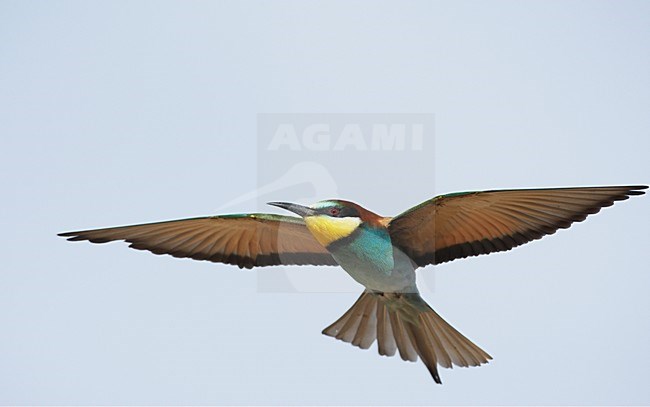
(243, 240)
(455, 226)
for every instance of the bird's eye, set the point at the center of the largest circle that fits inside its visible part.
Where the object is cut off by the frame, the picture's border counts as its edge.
(334, 211)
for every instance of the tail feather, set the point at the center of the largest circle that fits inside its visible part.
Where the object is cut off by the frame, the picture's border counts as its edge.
(438, 345)
(425, 349)
(454, 357)
(402, 338)
(404, 322)
(385, 339)
(472, 354)
(365, 335)
(337, 328)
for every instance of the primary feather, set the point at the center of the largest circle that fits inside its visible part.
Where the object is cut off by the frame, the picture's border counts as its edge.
(459, 225)
(250, 240)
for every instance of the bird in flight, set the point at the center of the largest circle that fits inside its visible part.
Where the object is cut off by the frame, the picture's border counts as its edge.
(380, 253)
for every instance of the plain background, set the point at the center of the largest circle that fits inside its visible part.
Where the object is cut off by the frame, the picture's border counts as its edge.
(125, 112)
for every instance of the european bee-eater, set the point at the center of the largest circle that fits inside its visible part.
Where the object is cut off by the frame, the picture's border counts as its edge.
(381, 253)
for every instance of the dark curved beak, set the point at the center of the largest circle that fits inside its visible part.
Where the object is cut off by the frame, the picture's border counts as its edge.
(295, 208)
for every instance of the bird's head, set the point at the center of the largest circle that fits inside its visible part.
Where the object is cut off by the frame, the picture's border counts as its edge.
(333, 219)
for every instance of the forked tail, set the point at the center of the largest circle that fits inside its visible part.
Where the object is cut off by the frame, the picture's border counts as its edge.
(404, 322)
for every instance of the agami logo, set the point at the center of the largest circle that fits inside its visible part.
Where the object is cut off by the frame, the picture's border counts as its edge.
(350, 137)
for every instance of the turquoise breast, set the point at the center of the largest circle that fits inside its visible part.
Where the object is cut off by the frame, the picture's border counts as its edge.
(367, 256)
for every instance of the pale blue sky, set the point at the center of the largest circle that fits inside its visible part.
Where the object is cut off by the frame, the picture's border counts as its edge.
(124, 112)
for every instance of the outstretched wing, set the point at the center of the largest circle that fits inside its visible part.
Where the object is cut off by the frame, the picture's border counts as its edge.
(465, 224)
(244, 240)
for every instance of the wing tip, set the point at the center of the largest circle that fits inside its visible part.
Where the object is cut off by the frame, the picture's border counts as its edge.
(79, 237)
(637, 190)
(71, 236)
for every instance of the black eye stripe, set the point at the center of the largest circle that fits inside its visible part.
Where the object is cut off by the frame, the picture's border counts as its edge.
(340, 212)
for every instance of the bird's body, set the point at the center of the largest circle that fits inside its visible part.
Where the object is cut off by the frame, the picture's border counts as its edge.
(371, 260)
(380, 253)
(363, 248)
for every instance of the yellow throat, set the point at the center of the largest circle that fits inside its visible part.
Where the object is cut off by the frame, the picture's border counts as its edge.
(327, 230)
